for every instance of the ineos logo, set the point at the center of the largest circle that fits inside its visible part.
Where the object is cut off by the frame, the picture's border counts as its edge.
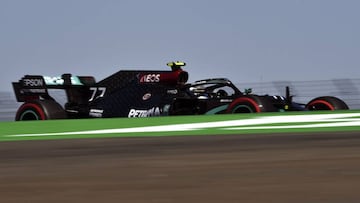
(150, 78)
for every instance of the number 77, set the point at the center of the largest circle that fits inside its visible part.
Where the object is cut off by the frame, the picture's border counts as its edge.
(97, 92)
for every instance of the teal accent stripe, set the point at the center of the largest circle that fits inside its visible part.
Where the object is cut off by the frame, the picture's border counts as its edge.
(217, 110)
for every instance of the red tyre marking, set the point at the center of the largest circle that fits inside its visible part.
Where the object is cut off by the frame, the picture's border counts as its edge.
(245, 99)
(34, 106)
(327, 104)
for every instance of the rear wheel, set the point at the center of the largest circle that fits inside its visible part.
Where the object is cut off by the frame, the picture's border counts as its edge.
(326, 103)
(250, 104)
(40, 110)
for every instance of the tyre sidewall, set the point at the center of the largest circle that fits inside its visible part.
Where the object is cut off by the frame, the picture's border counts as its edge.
(30, 108)
(331, 103)
(41, 110)
(254, 103)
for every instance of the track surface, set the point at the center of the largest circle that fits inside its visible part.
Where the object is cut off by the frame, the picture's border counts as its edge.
(240, 168)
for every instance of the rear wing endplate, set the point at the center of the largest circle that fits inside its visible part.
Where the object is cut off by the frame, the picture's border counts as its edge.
(32, 87)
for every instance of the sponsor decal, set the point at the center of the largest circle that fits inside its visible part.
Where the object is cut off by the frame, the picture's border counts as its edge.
(155, 111)
(33, 85)
(226, 100)
(33, 82)
(150, 78)
(278, 97)
(33, 91)
(36, 91)
(97, 113)
(59, 81)
(146, 96)
(172, 91)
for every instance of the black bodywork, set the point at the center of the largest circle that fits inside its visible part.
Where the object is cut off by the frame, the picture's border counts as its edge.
(124, 94)
(148, 93)
(215, 96)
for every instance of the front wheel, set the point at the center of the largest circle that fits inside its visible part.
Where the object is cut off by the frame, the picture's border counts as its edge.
(40, 110)
(326, 103)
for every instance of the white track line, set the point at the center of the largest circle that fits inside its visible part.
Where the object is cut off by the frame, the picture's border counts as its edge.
(329, 120)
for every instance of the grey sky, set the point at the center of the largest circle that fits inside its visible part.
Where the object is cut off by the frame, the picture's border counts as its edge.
(243, 40)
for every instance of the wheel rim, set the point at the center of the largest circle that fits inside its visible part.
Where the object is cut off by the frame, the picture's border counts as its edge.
(242, 109)
(30, 111)
(29, 115)
(320, 105)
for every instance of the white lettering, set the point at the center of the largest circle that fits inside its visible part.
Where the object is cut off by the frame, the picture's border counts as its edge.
(97, 92)
(42, 91)
(155, 111)
(33, 82)
(172, 91)
(150, 78)
(96, 113)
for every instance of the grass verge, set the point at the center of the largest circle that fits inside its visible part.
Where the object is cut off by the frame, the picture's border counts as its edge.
(182, 125)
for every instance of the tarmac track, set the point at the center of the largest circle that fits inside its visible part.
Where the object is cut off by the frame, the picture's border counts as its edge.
(236, 168)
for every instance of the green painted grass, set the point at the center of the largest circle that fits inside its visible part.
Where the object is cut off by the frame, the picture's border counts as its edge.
(56, 126)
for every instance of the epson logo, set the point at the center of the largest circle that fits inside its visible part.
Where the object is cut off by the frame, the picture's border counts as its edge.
(150, 78)
(33, 82)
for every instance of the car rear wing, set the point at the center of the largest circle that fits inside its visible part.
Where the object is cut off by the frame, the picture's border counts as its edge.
(32, 87)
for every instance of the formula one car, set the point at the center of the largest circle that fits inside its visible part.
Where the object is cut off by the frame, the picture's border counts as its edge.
(129, 93)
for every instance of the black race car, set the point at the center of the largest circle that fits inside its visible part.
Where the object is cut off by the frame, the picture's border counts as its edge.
(145, 93)
(220, 95)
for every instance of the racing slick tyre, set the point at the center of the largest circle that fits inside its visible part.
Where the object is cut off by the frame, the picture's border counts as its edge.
(250, 104)
(40, 110)
(326, 103)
